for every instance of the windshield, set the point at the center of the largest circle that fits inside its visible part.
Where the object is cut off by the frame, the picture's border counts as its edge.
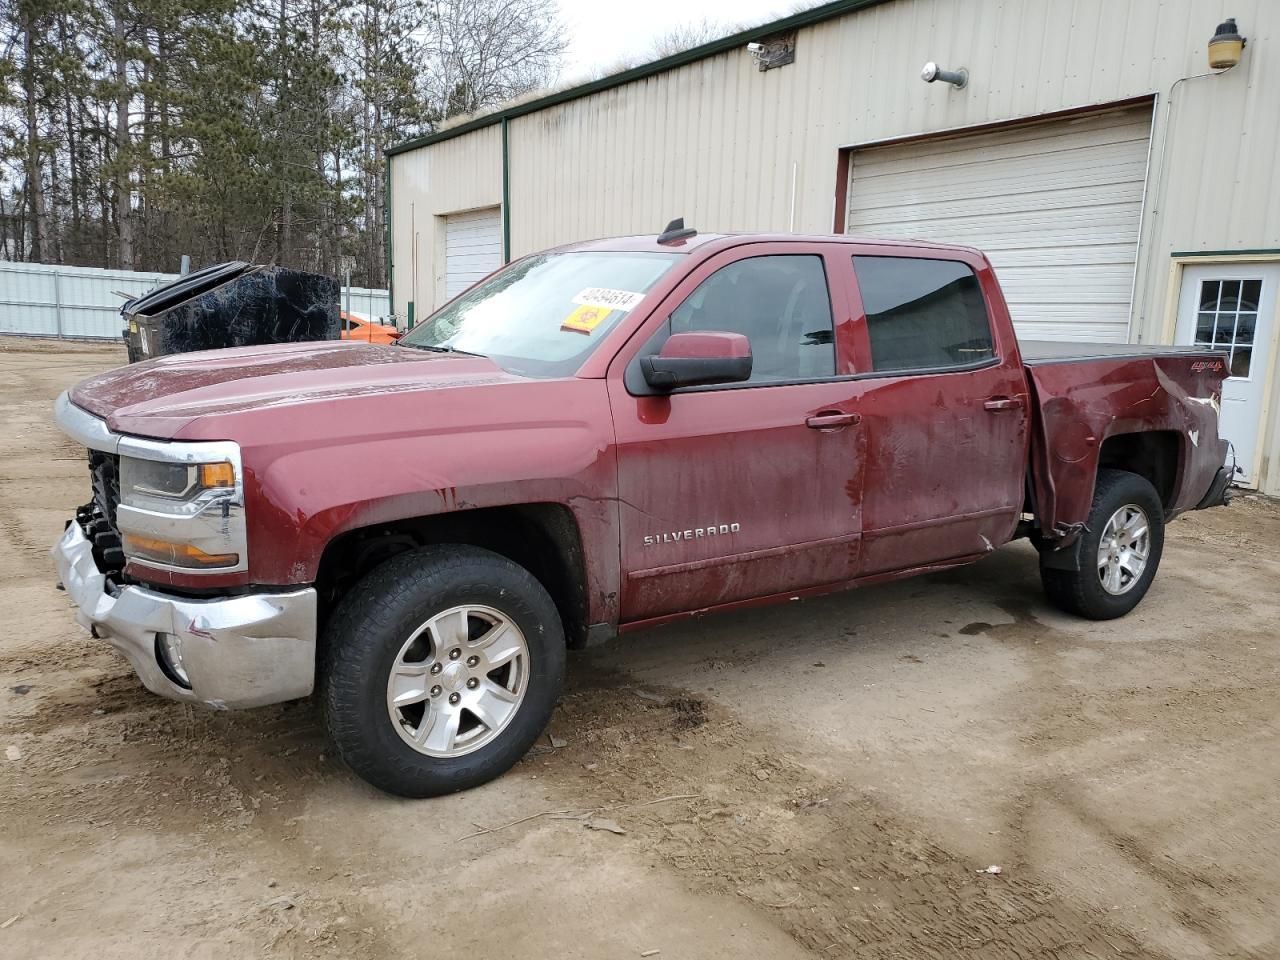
(542, 315)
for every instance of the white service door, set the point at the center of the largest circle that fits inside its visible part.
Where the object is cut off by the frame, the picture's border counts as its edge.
(1055, 205)
(1233, 308)
(472, 248)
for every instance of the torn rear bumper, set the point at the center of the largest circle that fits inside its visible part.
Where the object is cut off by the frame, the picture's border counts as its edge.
(241, 651)
(1219, 494)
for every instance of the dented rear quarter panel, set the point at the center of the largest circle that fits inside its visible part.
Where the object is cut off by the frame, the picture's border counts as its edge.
(1082, 403)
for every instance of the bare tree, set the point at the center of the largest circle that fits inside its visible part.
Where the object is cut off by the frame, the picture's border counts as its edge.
(686, 36)
(484, 52)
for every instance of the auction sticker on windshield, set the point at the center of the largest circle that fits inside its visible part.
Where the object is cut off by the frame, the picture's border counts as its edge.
(610, 299)
(585, 319)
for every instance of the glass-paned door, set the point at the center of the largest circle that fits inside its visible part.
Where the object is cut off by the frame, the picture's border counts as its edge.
(1232, 308)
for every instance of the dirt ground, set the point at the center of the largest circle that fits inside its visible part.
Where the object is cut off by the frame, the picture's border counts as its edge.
(829, 778)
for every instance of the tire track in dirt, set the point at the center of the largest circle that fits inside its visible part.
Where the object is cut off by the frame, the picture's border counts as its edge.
(12, 530)
(836, 870)
(227, 787)
(1194, 922)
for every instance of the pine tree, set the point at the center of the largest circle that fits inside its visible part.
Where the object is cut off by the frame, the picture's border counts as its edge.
(133, 131)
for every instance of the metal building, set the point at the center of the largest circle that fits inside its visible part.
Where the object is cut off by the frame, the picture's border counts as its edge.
(1124, 190)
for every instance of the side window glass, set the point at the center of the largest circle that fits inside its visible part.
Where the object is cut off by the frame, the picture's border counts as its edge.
(923, 314)
(780, 303)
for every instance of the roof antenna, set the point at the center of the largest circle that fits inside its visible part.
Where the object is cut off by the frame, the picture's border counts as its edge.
(676, 231)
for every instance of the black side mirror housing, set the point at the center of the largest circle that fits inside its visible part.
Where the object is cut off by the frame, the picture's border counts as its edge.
(704, 358)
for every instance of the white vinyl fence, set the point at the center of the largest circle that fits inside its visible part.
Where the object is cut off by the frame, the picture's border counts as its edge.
(44, 300)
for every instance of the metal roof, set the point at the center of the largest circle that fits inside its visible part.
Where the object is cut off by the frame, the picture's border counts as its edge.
(826, 11)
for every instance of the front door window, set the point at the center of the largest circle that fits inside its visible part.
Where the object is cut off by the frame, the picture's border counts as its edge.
(782, 306)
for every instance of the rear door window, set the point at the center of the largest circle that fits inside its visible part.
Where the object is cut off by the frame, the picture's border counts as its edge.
(923, 314)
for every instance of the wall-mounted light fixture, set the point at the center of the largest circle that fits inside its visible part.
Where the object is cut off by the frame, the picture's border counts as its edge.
(1225, 46)
(957, 78)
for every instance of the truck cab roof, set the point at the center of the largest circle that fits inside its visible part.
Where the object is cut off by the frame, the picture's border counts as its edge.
(709, 243)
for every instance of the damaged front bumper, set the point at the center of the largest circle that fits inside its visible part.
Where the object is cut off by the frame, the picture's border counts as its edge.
(241, 651)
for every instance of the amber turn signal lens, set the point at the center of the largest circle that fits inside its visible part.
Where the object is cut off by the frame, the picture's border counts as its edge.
(174, 554)
(217, 475)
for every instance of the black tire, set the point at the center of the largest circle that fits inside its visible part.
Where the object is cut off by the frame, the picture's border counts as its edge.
(364, 639)
(1081, 591)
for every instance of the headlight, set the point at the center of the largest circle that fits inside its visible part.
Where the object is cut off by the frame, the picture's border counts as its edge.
(182, 505)
(144, 482)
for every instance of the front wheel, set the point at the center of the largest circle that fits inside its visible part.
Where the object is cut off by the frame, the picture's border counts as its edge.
(1119, 550)
(443, 666)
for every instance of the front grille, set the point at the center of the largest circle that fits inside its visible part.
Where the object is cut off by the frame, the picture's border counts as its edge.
(98, 517)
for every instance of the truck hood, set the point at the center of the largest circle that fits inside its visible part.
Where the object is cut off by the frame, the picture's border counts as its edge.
(159, 397)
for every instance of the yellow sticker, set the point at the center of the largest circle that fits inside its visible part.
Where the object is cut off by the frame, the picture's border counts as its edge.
(133, 326)
(585, 319)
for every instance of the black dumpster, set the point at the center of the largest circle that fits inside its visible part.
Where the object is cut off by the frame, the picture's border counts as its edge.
(232, 304)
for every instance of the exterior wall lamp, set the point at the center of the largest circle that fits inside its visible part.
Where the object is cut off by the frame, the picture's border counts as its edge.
(1225, 46)
(957, 78)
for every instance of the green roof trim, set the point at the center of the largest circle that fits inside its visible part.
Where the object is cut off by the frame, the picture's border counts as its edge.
(827, 11)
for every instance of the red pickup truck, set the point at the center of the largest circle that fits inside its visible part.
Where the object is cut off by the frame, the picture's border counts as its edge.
(597, 438)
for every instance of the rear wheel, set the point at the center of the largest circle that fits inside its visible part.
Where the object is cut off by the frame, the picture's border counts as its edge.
(443, 667)
(1119, 550)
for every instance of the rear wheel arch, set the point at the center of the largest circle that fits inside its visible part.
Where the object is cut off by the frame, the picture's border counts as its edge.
(1155, 455)
(1072, 577)
(543, 538)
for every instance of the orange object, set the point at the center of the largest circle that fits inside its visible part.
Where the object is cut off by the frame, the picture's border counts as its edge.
(217, 475)
(175, 554)
(357, 328)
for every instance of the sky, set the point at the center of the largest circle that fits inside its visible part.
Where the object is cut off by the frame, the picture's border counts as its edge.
(604, 32)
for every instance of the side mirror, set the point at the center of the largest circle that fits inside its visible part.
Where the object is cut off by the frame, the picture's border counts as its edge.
(698, 359)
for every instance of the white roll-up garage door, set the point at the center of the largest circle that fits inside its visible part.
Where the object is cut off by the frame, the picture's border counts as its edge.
(472, 248)
(1055, 205)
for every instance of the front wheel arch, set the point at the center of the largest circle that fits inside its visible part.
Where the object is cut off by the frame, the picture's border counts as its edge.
(366, 645)
(543, 538)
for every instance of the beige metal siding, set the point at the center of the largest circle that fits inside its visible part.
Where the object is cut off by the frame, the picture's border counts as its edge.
(426, 186)
(716, 140)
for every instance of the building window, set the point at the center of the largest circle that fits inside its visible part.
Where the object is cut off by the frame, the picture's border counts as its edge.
(923, 314)
(1226, 320)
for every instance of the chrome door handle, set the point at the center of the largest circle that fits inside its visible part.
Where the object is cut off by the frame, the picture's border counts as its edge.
(832, 420)
(1002, 403)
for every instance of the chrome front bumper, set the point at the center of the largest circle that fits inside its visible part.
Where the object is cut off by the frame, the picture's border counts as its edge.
(242, 651)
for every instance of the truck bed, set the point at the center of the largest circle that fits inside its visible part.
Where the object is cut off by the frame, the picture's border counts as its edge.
(1039, 352)
(1095, 396)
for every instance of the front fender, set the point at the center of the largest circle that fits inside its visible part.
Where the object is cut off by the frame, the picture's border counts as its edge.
(317, 468)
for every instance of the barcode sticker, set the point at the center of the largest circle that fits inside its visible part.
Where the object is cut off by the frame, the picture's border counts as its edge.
(604, 297)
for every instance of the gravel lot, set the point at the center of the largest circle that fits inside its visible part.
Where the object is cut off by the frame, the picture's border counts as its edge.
(824, 779)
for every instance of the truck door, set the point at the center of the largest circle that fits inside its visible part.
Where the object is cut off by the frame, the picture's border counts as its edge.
(944, 408)
(752, 489)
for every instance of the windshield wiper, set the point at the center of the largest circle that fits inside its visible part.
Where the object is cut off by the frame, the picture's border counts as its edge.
(438, 349)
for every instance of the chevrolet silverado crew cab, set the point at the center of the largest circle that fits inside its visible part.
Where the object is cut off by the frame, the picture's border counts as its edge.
(597, 438)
